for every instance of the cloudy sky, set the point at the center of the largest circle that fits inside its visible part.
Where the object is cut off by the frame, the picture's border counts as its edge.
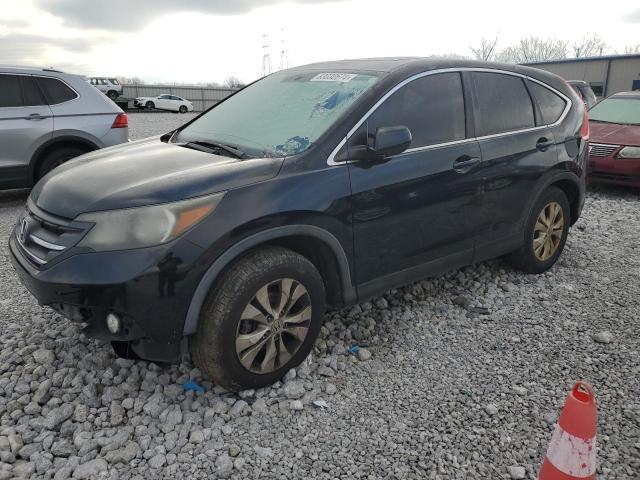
(208, 40)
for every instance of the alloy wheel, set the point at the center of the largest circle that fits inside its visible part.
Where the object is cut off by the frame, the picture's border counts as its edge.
(547, 232)
(273, 326)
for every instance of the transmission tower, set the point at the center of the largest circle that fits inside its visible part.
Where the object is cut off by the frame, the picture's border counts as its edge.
(266, 56)
(284, 53)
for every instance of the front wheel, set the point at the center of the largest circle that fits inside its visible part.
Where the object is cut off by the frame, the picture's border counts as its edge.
(182, 109)
(546, 233)
(260, 320)
(113, 95)
(150, 105)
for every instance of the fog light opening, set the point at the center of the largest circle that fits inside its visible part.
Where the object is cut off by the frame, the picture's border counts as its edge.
(113, 323)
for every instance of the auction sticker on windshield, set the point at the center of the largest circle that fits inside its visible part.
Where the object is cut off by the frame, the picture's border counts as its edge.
(334, 77)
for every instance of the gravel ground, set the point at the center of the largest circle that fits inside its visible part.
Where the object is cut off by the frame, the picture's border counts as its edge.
(463, 376)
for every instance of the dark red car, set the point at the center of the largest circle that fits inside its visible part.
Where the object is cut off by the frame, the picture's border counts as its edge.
(614, 155)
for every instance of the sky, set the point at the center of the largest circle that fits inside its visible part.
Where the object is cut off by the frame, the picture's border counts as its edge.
(200, 41)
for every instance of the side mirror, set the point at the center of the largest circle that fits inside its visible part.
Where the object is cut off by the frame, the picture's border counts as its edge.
(391, 141)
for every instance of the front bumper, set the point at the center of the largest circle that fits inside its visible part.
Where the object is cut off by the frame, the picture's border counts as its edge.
(614, 171)
(149, 289)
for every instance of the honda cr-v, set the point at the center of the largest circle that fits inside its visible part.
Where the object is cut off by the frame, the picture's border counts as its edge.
(320, 185)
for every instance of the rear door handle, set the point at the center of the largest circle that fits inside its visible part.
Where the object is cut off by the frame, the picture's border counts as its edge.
(465, 163)
(543, 144)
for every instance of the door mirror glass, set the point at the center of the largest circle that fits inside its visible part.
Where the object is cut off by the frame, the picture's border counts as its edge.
(390, 141)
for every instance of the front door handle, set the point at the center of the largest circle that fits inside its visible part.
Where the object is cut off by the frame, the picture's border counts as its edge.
(543, 144)
(465, 163)
(34, 116)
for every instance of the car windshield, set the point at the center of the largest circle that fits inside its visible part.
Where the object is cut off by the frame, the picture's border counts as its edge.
(114, 81)
(617, 110)
(280, 115)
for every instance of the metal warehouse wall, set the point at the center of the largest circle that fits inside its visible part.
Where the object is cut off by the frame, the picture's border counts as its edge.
(612, 74)
(201, 97)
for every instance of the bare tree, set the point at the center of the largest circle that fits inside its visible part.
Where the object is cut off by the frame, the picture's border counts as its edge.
(630, 49)
(487, 49)
(589, 46)
(233, 82)
(534, 49)
(130, 80)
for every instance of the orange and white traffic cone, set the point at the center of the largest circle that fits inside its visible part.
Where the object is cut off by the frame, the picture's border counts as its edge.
(572, 451)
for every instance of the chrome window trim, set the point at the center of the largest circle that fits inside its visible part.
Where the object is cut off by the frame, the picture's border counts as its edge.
(45, 244)
(331, 159)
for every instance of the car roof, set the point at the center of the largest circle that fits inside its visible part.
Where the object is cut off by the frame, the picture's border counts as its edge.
(36, 70)
(391, 64)
(633, 94)
(386, 66)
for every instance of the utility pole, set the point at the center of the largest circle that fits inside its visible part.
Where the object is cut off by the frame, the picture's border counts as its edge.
(266, 56)
(284, 53)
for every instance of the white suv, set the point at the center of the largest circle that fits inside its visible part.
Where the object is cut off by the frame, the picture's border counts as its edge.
(48, 117)
(109, 86)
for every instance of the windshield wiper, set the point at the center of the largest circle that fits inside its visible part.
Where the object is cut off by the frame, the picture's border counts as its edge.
(214, 147)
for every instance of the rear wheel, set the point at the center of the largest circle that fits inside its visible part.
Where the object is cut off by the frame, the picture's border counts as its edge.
(545, 233)
(57, 157)
(182, 109)
(150, 105)
(261, 320)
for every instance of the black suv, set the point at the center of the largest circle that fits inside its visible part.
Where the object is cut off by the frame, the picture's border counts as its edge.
(320, 185)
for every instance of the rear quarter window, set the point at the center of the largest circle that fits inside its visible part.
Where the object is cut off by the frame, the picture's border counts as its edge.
(504, 105)
(551, 105)
(55, 91)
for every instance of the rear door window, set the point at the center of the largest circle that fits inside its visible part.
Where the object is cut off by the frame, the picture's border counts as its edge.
(504, 105)
(55, 91)
(31, 95)
(10, 92)
(551, 105)
(432, 107)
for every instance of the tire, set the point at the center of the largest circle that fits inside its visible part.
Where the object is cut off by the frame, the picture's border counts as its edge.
(150, 105)
(531, 257)
(112, 94)
(213, 347)
(182, 109)
(57, 157)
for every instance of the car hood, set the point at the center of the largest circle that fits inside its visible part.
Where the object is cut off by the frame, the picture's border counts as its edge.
(614, 133)
(143, 173)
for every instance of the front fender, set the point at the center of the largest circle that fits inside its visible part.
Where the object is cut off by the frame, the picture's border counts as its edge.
(349, 291)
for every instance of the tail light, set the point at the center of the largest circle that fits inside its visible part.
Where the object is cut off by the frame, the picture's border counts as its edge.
(121, 121)
(584, 130)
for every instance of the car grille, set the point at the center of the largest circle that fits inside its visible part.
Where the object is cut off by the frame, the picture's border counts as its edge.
(602, 149)
(42, 240)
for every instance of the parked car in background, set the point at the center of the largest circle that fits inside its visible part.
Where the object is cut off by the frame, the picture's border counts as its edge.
(585, 91)
(109, 86)
(324, 184)
(168, 102)
(615, 135)
(48, 117)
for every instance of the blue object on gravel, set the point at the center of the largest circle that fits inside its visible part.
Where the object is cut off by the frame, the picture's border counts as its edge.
(354, 349)
(192, 385)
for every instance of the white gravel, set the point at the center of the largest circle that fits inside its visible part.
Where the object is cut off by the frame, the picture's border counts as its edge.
(448, 391)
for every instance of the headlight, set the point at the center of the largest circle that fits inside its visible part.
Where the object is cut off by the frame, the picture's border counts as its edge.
(629, 152)
(145, 226)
